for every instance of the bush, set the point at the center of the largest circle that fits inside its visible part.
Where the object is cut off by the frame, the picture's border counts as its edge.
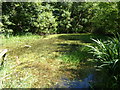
(107, 55)
(46, 23)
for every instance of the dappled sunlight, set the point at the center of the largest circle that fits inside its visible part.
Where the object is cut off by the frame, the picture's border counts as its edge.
(48, 59)
(59, 44)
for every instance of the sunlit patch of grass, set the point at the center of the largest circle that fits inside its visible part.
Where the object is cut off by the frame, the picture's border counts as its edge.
(38, 62)
(32, 74)
(15, 41)
(48, 73)
(22, 79)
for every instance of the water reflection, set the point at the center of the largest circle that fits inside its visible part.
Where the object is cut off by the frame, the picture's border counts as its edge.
(85, 83)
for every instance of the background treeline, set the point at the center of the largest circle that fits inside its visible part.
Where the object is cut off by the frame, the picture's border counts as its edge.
(60, 17)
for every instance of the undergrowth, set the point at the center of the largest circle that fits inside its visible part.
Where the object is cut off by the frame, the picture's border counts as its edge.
(107, 55)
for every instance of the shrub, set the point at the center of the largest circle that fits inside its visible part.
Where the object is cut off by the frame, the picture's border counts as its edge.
(107, 55)
(46, 23)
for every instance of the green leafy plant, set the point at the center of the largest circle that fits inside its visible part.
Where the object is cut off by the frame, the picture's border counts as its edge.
(107, 55)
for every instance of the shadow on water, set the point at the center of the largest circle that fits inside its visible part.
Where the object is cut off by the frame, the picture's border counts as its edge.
(84, 83)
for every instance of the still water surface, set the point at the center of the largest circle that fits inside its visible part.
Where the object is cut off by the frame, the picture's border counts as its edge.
(84, 83)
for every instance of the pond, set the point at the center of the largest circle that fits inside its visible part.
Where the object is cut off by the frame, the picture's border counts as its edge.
(84, 83)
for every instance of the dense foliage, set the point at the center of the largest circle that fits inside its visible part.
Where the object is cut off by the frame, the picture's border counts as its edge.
(107, 55)
(60, 17)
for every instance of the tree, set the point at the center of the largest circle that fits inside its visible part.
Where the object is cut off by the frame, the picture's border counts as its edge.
(105, 18)
(60, 17)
